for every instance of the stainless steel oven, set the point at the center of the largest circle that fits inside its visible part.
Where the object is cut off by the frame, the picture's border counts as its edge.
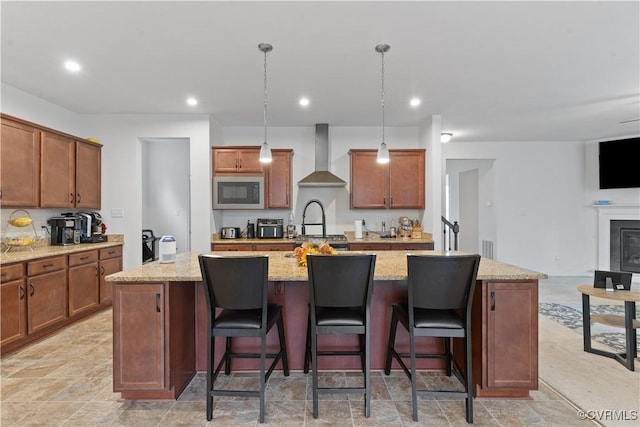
(238, 192)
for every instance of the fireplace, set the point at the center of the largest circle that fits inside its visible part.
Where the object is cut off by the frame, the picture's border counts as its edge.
(611, 220)
(624, 251)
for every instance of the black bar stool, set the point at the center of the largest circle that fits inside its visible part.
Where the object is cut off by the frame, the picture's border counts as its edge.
(440, 292)
(340, 288)
(238, 286)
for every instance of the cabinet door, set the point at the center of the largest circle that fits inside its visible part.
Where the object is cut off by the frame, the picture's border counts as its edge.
(13, 303)
(278, 180)
(249, 160)
(412, 246)
(88, 175)
(57, 189)
(138, 336)
(237, 160)
(368, 181)
(46, 300)
(406, 179)
(107, 267)
(19, 165)
(512, 335)
(84, 286)
(274, 246)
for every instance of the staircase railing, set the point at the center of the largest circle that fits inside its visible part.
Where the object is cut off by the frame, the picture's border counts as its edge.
(449, 231)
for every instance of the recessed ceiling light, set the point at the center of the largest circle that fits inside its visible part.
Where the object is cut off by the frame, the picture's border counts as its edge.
(445, 137)
(72, 66)
(192, 101)
(415, 102)
(304, 102)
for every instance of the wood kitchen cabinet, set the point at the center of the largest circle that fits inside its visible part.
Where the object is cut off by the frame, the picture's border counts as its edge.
(399, 246)
(505, 353)
(236, 160)
(151, 360)
(110, 262)
(13, 303)
(71, 172)
(84, 282)
(19, 164)
(399, 184)
(46, 293)
(278, 180)
(267, 246)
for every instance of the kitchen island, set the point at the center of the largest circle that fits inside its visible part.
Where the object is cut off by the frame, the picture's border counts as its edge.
(159, 319)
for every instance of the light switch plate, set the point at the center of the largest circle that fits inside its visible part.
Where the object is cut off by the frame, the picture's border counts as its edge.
(117, 212)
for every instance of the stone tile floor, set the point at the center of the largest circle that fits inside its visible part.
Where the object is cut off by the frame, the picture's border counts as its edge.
(66, 380)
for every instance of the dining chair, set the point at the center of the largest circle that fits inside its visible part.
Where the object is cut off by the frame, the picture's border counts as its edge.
(340, 288)
(439, 299)
(236, 288)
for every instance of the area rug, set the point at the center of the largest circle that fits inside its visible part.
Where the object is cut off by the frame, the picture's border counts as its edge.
(600, 387)
(572, 318)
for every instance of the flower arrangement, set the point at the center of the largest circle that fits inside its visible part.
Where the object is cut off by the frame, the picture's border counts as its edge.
(312, 248)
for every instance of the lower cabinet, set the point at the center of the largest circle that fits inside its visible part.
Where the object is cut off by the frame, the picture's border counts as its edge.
(275, 246)
(505, 353)
(83, 282)
(13, 304)
(46, 293)
(110, 262)
(39, 297)
(401, 246)
(153, 356)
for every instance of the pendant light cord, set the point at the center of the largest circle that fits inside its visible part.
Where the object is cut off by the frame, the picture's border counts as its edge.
(265, 95)
(382, 74)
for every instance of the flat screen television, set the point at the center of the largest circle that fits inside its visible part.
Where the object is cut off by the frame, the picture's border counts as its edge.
(619, 163)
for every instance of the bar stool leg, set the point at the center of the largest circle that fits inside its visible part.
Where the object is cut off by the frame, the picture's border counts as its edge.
(392, 340)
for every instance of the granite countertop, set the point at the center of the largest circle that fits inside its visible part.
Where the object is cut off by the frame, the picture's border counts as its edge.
(390, 265)
(26, 254)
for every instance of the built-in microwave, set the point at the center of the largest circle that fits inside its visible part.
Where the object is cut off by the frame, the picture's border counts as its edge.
(238, 192)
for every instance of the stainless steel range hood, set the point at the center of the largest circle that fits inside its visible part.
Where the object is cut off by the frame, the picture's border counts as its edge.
(321, 177)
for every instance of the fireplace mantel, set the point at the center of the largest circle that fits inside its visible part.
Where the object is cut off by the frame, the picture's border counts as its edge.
(606, 214)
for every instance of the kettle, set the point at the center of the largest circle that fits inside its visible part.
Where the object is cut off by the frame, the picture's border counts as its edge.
(167, 249)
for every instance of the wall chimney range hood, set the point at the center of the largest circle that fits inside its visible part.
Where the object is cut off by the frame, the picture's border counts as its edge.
(321, 177)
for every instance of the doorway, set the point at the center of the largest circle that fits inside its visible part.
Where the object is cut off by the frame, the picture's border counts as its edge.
(470, 202)
(166, 189)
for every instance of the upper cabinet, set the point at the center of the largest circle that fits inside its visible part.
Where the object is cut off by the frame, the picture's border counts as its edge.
(45, 168)
(71, 174)
(278, 180)
(399, 184)
(236, 160)
(19, 165)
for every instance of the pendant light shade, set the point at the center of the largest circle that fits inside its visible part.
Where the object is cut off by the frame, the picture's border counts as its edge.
(383, 151)
(265, 151)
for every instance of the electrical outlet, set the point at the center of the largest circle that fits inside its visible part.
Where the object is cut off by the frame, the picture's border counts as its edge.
(557, 258)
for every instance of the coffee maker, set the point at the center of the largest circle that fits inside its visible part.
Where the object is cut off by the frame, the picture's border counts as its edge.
(65, 230)
(91, 227)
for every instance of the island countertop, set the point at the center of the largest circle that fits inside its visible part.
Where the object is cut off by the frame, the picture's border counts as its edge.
(390, 265)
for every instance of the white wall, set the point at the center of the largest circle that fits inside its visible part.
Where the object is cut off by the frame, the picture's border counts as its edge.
(539, 206)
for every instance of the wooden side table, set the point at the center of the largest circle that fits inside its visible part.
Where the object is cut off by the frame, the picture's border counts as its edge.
(628, 322)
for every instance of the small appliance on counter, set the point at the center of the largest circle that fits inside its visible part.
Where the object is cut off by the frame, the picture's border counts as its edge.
(251, 230)
(65, 230)
(270, 228)
(230, 233)
(91, 228)
(167, 249)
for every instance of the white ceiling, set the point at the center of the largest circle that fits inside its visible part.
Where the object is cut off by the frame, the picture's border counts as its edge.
(494, 71)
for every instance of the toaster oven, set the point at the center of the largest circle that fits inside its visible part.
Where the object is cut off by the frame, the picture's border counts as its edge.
(269, 228)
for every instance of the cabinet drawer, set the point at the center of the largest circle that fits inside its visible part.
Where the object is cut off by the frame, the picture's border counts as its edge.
(412, 247)
(231, 247)
(11, 272)
(274, 246)
(113, 252)
(46, 265)
(83, 258)
(368, 247)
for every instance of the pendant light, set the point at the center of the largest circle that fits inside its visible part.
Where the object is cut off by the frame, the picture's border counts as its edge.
(383, 151)
(265, 151)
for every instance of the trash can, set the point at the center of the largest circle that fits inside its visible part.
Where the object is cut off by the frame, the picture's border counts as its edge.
(149, 246)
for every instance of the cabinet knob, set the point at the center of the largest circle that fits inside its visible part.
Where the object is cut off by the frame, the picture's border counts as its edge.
(70, 197)
(78, 198)
(33, 289)
(493, 301)
(23, 292)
